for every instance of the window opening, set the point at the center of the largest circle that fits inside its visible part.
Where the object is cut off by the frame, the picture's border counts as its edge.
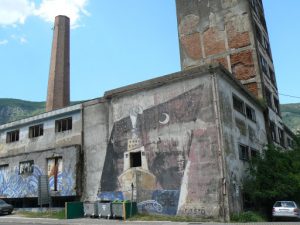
(63, 124)
(135, 159)
(26, 167)
(36, 131)
(54, 169)
(12, 136)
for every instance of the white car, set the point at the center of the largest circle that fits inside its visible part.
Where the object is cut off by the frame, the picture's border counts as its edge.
(285, 209)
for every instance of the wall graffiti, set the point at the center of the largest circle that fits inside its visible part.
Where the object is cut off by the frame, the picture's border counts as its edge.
(150, 206)
(168, 200)
(111, 196)
(14, 185)
(162, 139)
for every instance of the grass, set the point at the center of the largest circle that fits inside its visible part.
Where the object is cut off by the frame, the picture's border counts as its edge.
(148, 217)
(249, 216)
(47, 214)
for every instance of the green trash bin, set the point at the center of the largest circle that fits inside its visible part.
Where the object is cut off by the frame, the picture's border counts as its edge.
(123, 209)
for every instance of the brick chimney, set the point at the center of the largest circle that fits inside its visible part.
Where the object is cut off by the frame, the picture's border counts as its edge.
(58, 95)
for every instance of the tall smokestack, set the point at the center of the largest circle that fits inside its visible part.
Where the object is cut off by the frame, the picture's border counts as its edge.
(58, 95)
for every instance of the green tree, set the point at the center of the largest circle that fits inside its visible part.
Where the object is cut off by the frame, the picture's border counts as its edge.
(273, 176)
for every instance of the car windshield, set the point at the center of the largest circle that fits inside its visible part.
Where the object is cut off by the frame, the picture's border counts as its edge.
(285, 204)
(2, 202)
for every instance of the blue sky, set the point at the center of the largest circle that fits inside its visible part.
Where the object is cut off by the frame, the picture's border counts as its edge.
(115, 43)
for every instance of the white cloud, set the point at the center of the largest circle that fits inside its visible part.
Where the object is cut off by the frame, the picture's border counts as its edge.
(20, 39)
(74, 9)
(14, 12)
(3, 42)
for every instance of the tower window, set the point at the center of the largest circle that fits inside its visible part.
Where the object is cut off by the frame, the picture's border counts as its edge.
(238, 104)
(135, 159)
(250, 112)
(36, 131)
(244, 152)
(63, 124)
(12, 136)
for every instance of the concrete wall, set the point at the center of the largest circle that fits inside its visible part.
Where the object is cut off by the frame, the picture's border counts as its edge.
(66, 145)
(50, 138)
(95, 135)
(15, 185)
(174, 128)
(238, 129)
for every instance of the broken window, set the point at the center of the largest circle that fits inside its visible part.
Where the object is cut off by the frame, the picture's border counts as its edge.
(238, 104)
(290, 142)
(268, 97)
(250, 112)
(276, 104)
(63, 124)
(3, 168)
(281, 137)
(26, 167)
(36, 131)
(54, 167)
(273, 131)
(264, 65)
(12, 136)
(254, 153)
(244, 153)
(135, 159)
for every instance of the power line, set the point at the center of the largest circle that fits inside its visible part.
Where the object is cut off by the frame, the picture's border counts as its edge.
(291, 96)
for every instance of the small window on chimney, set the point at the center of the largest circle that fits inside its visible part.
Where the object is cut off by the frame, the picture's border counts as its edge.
(135, 159)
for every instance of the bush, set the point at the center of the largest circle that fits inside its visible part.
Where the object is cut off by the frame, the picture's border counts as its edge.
(247, 217)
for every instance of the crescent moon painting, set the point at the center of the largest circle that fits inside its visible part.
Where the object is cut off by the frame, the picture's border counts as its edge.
(166, 120)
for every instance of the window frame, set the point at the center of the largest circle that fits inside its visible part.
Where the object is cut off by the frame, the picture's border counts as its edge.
(64, 124)
(235, 101)
(31, 169)
(13, 136)
(250, 113)
(36, 131)
(244, 152)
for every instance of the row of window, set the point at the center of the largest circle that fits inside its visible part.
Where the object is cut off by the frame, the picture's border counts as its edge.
(38, 130)
(258, 10)
(267, 70)
(240, 106)
(262, 39)
(246, 153)
(277, 135)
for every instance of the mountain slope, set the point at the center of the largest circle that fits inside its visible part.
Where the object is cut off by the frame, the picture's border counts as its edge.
(291, 115)
(15, 109)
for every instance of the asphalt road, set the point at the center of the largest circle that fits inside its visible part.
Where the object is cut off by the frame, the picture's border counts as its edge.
(15, 220)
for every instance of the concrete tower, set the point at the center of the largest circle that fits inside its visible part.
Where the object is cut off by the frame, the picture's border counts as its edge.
(233, 33)
(58, 95)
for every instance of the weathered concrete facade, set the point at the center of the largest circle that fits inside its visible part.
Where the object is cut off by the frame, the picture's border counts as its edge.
(233, 33)
(185, 131)
(58, 95)
(40, 152)
(176, 139)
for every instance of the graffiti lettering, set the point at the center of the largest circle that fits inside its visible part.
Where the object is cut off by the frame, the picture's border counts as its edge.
(150, 206)
(195, 211)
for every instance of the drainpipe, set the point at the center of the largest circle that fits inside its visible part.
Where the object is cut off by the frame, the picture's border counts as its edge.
(221, 157)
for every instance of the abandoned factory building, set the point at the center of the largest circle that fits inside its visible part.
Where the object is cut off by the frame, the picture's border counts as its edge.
(182, 141)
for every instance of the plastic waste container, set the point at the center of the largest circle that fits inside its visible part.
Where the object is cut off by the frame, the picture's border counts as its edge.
(90, 209)
(104, 209)
(123, 209)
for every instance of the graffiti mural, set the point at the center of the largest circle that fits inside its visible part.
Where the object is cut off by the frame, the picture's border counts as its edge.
(149, 149)
(111, 196)
(16, 185)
